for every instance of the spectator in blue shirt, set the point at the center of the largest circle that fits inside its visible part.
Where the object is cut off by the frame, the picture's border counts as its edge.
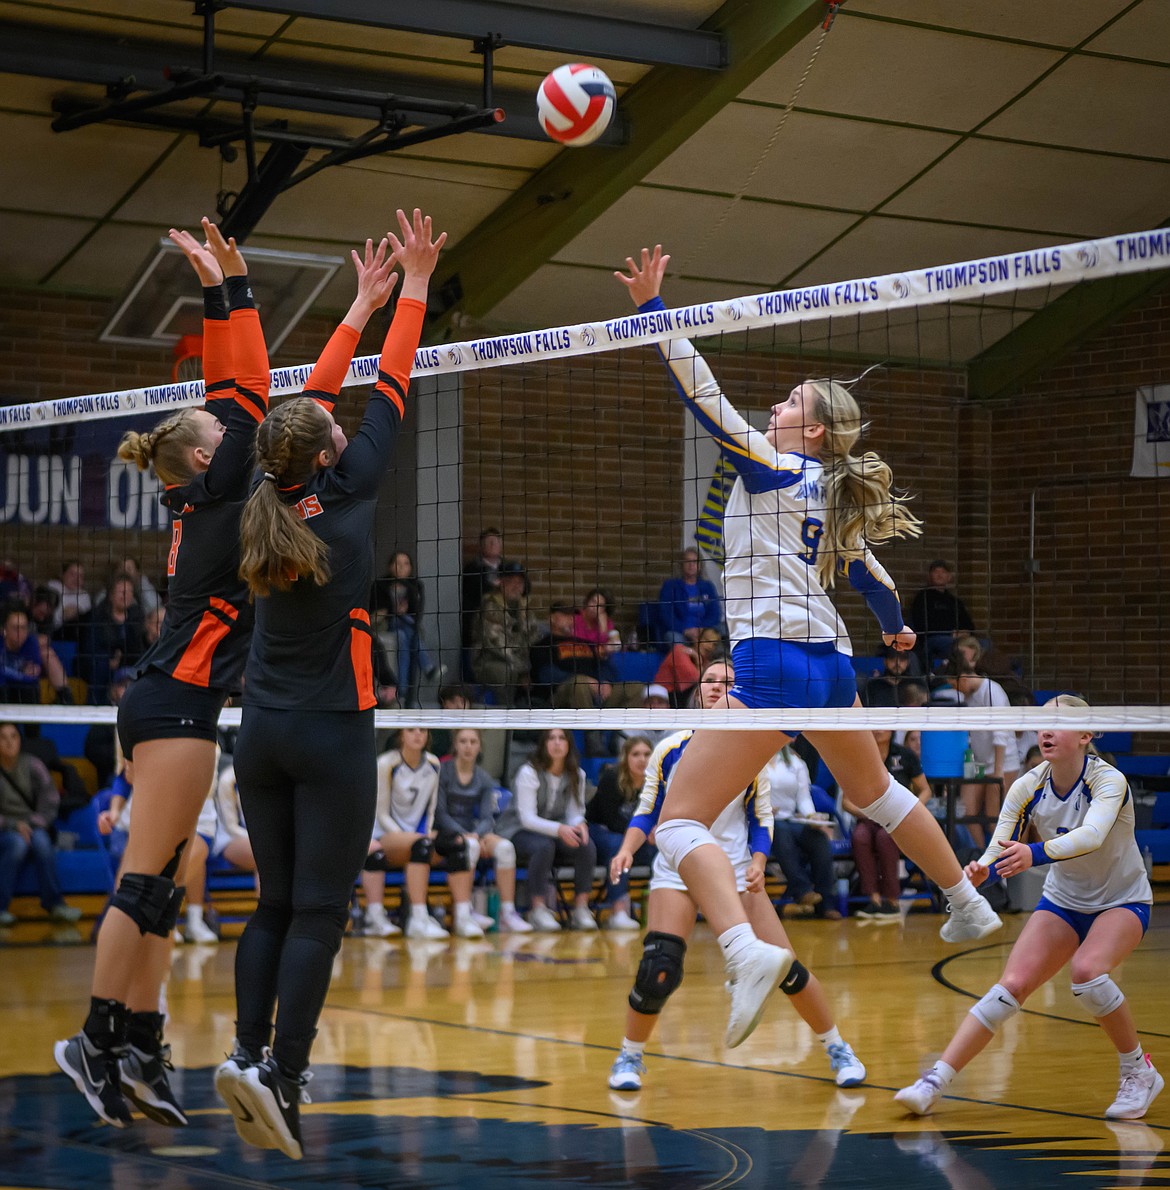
(20, 659)
(689, 603)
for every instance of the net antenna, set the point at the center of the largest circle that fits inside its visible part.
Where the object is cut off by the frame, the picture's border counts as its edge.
(160, 308)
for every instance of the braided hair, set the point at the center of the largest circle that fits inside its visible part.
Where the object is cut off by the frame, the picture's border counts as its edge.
(277, 548)
(167, 447)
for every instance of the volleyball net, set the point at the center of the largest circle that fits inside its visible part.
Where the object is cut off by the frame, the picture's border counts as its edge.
(568, 448)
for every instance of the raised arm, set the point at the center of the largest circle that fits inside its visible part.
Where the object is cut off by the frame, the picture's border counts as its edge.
(752, 455)
(218, 364)
(871, 580)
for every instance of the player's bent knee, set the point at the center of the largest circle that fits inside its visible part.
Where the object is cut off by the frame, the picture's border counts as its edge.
(1098, 997)
(148, 902)
(891, 809)
(504, 854)
(453, 848)
(659, 973)
(678, 837)
(421, 850)
(998, 1006)
(796, 980)
(473, 853)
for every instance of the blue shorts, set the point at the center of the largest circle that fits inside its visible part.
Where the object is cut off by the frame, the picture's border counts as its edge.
(1081, 922)
(782, 673)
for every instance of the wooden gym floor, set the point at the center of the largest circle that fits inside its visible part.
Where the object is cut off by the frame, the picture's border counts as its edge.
(484, 1064)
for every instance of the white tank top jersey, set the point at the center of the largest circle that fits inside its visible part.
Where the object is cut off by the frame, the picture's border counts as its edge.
(773, 526)
(744, 826)
(406, 796)
(1087, 837)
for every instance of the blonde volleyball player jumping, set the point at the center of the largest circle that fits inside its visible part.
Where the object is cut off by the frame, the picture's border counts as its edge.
(744, 831)
(801, 512)
(1093, 913)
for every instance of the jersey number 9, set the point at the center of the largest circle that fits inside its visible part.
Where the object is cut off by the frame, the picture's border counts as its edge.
(811, 532)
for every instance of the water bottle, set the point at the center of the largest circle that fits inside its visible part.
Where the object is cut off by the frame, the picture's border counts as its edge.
(969, 768)
(843, 896)
(493, 903)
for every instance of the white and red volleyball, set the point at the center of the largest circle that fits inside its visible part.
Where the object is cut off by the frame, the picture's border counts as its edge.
(575, 104)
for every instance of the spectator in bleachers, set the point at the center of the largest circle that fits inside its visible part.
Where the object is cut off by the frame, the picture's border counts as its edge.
(883, 689)
(1031, 759)
(54, 673)
(938, 615)
(114, 820)
(112, 636)
(995, 750)
(655, 698)
(145, 593)
(42, 612)
(800, 837)
(73, 601)
(399, 601)
(468, 803)
(546, 822)
(405, 833)
(689, 602)
(557, 654)
(455, 697)
(28, 808)
(608, 814)
(874, 852)
(101, 748)
(680, 668)
(152, 623)
(231, 834)
(594, 624)
(504, 635)
(21, 666)
(480, 575)
(14, 587)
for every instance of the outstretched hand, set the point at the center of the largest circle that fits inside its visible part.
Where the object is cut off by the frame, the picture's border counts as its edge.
(230, 258)
(205, 265)
(644, 282)
(417, 251)
(902, 641)
(376, 276)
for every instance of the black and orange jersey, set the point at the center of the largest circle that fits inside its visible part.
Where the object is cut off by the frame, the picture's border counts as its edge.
(208, 623)
(312, 644)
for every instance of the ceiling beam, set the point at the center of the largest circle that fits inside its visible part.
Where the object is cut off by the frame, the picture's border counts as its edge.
(555, 30)
(1056, 329)
(663, 109)
(51, 53)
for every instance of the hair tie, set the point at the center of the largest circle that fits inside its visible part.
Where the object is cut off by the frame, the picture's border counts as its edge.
(270, 477)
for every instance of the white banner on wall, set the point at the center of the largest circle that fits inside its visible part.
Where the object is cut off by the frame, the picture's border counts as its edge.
(1151, 432)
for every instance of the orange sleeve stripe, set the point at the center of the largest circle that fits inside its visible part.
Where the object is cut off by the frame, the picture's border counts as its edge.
(333, 365)
(217, 351)
(362, 658)
(250, 353)
(402, 342)
(195, 664)
(222, 605)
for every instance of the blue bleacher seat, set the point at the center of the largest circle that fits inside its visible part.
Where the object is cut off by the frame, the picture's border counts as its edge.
(1144, 766)
(86, 871)
(69, 737)
(867, 667)
(66, 651)
(1156, 840)
(636, 667)
(1114, 741)
(593, 766)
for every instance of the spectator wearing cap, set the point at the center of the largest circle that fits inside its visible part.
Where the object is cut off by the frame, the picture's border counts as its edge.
(505, 632)
(28, 807)
(689, 602)
(898, 669)
(938, 614)
(20, 659)
(481, 575)
(656, 698)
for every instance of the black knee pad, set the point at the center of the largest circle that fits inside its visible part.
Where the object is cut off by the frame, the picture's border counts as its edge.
(324, 924)
(147, 901)
(453, 848)
(174, 908)
(421, 850)
(796, 980)
(173, 863)
(659, 973)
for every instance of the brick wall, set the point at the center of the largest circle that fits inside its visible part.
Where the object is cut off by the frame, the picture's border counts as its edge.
(581, 467)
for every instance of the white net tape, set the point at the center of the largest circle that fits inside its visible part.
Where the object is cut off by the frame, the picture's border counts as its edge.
(1104, 718)
(967, 281)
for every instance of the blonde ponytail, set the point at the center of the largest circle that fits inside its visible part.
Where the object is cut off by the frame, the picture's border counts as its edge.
(861, 507)
(277, 548)
(167, 447)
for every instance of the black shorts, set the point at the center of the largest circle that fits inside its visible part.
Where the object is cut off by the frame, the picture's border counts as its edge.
(159, 707)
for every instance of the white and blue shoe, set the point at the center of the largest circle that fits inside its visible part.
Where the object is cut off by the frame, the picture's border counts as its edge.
(846, 1065)
(626, 1072)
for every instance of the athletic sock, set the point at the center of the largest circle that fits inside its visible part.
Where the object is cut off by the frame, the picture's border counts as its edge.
(194, 914)
(107, 1023)
(634, 1048)
(832, 1037)
(943, 1073)
(418, 913)
(736, 942)
(507, 908)
(462, 910)
(144, 1031)
(1132, 1062)
(963, 893)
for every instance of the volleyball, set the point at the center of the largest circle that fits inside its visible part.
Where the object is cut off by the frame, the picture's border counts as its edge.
(575, 104)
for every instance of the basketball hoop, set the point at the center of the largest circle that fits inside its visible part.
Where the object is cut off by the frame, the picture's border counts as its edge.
(188, 358)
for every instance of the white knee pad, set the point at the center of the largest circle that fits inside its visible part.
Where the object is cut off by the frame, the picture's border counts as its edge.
(504, 854)
(891, 808)
(1099, 997)
(997, 1006)
(473, 850)
(677, 838)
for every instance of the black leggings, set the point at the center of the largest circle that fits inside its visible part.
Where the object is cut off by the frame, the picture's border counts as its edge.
(539, 852)
(308, 784)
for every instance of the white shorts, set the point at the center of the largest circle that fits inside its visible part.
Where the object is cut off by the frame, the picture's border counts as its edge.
(663, 875)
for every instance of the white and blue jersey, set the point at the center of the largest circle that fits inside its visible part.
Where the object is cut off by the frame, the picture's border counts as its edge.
(743, 828)
(773, 529)
(406, 797)
(1087, 836)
